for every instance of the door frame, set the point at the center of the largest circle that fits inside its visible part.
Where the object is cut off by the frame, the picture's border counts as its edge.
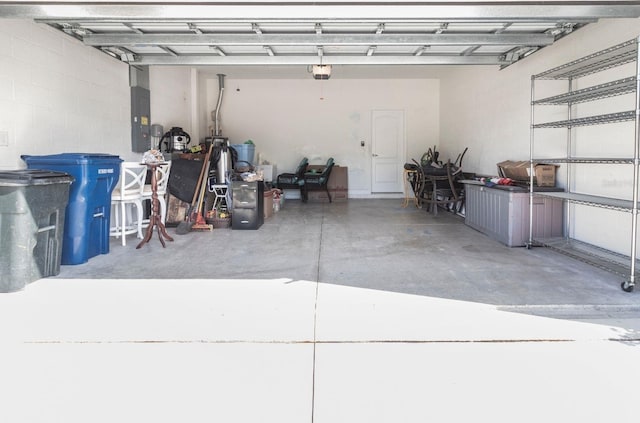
(401, 151)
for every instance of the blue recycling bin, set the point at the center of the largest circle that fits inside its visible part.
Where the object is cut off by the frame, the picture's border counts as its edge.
(88, 213)
(245, 152)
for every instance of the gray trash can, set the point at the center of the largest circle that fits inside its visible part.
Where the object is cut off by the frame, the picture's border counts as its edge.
(32, 211)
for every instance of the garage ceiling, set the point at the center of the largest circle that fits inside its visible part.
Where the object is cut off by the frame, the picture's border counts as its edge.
(293, 33)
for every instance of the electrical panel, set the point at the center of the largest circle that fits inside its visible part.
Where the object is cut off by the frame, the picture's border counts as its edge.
(140, 119)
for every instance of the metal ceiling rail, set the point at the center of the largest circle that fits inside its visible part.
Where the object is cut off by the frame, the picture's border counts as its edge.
(472, 11)
(303, 32)
(321, 21)
(317, 39)
(200, 60)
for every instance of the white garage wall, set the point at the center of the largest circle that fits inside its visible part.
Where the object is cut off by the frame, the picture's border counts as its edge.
(287, 119)
(57, 95)
(171, 96)
(489, 111)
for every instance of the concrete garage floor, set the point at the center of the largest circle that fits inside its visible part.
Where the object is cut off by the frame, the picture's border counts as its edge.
(374, 244)
(345, 312)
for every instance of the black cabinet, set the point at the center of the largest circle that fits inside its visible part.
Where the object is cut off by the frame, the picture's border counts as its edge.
(248, 204)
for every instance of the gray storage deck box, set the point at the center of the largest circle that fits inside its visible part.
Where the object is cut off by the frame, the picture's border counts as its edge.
(502, 213)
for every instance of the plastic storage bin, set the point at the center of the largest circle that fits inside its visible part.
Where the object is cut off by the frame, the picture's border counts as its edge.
(245, 152)
(86, 229)
(502, 213)
(32, 211)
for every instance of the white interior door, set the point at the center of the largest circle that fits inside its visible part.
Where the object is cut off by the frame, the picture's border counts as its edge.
(387, 150)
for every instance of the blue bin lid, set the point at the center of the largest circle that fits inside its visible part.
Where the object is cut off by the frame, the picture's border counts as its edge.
(25, 177)
(73, 158)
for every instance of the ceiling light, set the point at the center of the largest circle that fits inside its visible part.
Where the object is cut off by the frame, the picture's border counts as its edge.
(128, 57)
(321, 71)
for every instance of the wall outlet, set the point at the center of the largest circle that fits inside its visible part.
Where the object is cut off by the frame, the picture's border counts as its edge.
(4, 138)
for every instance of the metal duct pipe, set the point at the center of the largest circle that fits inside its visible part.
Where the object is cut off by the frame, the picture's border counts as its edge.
(220, 93)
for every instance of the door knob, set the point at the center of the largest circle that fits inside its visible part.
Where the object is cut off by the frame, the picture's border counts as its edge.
(374, 155)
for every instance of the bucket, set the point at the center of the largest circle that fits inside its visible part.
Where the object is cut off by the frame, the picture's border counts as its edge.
(245, 152)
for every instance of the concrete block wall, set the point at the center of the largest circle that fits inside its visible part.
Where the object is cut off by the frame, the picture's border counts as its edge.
(58, 96)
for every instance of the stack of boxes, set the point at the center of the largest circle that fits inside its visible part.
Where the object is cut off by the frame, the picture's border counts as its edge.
(338, 186)
(545, 174)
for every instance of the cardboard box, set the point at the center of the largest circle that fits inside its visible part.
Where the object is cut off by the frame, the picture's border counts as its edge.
(267, 172)
(545, 174)
(339, 178)
(176, 211)
(320, 196)
(338, 186)
(268, 203)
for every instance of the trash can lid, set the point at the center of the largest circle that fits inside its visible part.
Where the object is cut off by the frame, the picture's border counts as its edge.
(25, 177)
(73, 158)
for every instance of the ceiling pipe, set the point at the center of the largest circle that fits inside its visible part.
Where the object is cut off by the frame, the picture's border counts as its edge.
(220, 93)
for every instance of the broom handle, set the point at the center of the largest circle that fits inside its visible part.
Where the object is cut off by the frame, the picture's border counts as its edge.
(197, 190)
(197, 187)
(203, 188)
